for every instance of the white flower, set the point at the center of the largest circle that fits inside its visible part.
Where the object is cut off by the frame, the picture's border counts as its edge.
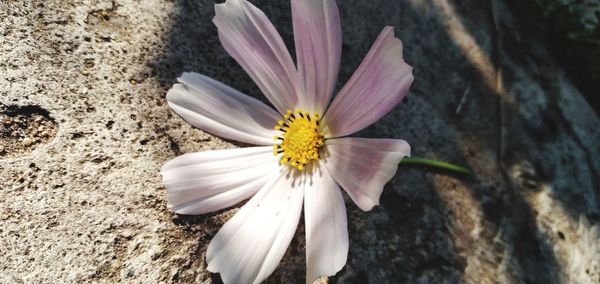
(303, 157)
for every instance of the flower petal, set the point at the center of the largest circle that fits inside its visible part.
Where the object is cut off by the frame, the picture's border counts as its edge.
(203, 182)
(249, 247)
(318, 40)
(250, 38)
(326, 227)
(220, 110)
(362, 166)
(378, 85)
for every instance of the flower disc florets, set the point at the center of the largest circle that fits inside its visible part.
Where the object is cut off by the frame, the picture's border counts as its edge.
(301, 138)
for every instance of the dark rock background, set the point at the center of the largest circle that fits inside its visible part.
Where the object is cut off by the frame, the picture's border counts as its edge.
(85, 203)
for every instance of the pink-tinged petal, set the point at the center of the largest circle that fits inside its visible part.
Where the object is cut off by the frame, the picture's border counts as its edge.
(203, 182)
(378, 85)
(250, 38)
(362, 166)
(249, 247)
(220, 110)
(318, 40)
(326, 226)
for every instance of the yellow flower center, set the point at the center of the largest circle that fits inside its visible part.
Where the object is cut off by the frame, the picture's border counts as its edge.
(301, 138)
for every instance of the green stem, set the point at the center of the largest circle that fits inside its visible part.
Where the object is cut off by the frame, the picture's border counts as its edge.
(435, 164)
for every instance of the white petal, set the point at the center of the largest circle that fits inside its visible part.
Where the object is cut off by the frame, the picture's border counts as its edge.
(378, 85)
(326, 227)
(318, 39)
(250, 38)
(203, 182)
(250, 245)
(220, 110)
(362, 166)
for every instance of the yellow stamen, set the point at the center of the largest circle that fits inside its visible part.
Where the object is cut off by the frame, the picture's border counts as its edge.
(301, 140)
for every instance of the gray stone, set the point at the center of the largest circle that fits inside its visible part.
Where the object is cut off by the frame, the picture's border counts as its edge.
(86, 203)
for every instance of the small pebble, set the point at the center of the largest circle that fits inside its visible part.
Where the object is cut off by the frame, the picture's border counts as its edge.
(41, 128)
(27, 142)
(1, 150)
(38, 119)
(45, 134)
(7, 122)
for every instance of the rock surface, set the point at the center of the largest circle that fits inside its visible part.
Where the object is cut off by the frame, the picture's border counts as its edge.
(85, 204)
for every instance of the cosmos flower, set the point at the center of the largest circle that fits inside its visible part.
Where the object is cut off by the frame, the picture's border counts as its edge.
(303, 157)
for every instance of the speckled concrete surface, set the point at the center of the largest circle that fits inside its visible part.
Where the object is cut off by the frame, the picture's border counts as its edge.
(84, 203)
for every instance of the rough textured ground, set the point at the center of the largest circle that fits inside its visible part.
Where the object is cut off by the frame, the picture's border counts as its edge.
(84, 203)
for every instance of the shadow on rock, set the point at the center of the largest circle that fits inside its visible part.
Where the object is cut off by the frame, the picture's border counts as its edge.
(431, 227)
